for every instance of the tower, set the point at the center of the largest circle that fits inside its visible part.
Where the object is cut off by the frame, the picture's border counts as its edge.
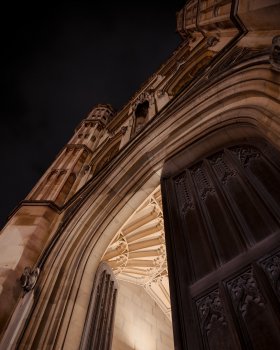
(69, 171)
(205, 129)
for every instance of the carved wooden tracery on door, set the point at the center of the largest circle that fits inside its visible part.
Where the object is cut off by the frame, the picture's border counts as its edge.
(222, 220)
(98, 330)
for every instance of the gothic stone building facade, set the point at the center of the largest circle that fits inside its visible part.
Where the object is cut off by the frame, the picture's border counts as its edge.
(166, 209)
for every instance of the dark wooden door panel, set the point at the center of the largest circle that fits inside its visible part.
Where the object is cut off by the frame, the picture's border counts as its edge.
(222, 228)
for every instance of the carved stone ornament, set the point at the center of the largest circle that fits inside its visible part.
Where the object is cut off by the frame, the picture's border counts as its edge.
(145, 96)
(180, 63)
(271, 266)
(29, 278)
(275, 53)
(86, 169)
(160, 93)
(211, 312)
(244, 291)
(111, 134)
(212, 41)
(123, 129)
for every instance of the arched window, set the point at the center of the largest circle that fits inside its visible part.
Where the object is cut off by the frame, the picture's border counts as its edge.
(98, 330)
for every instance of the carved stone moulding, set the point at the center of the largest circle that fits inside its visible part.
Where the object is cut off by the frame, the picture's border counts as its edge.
(275, 53)
(235, 57)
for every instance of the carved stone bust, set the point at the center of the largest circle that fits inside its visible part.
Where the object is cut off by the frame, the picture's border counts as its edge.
(29, 278)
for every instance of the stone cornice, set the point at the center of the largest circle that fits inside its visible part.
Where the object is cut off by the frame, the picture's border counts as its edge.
(78, 146)
(75, 145)
(36, 203)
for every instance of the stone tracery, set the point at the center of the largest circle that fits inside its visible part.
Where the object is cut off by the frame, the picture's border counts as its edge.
(137, 254)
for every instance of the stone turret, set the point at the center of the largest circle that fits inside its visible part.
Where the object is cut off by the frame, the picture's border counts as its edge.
(103, 113)
(68, 171)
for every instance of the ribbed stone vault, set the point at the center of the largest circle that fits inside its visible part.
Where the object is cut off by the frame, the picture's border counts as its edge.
(137, 253)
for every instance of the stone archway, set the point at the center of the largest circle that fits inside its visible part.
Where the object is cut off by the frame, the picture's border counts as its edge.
(242, 105)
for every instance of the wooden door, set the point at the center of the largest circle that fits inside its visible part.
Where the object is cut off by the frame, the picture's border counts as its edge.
(222, 226)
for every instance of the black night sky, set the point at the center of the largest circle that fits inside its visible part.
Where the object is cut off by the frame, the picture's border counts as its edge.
(58, 61)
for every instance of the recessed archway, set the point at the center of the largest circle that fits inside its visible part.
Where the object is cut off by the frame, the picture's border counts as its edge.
(118, 190)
